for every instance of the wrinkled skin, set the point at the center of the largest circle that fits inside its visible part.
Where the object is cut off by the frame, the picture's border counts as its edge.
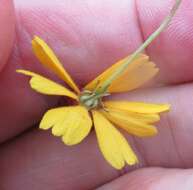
(89, 36)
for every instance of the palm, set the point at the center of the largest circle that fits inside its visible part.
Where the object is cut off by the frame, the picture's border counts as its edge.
(88, 37)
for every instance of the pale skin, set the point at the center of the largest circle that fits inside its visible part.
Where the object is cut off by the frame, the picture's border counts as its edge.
(88, 37)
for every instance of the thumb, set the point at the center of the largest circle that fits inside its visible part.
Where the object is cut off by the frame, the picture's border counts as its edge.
(7, 26)
(153, 179)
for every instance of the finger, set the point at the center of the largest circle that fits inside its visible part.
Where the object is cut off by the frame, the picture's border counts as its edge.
(20, 106)
(153, 179)
(32, 156)
(45, 162)
(7, 35)
(7, 27)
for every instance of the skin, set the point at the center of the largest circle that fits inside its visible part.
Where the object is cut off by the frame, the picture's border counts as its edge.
(88, 37)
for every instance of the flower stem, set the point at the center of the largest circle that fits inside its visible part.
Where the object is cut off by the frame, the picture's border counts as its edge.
(103, 88)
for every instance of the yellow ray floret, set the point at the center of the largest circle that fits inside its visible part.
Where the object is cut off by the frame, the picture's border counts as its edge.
(148, 118)
(113, 145)
(47, 57)
(138, 107)
(130, 124)
(137, 73)
(73, 123)
(46, 86)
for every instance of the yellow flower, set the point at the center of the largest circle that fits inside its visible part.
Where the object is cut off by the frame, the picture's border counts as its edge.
(73, 123)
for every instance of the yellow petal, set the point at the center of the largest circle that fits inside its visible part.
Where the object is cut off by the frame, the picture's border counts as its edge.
(72, 123)
(130, 124)
(148, 118)
(46, 86)
(138, 107)
(137, 73)
(113, 145)
(47, 57)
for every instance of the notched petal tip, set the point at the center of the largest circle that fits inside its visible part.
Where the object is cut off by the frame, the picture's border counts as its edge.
(134, 126)
(113, 145)
(136, 74)
(69, 142)
(72, 123)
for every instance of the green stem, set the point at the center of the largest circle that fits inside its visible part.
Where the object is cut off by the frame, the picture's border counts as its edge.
(103, 88)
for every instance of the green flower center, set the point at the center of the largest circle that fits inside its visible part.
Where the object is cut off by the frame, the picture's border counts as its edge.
(91, 99)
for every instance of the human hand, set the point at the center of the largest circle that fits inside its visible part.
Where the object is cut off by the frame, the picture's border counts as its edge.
(88, 37)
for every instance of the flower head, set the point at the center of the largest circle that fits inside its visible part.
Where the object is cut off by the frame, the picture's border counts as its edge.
(73, 123)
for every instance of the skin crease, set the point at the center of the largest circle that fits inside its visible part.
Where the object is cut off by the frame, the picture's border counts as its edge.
(88, 37)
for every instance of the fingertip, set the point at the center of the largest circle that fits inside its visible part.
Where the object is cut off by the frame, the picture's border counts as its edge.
(7, 28)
